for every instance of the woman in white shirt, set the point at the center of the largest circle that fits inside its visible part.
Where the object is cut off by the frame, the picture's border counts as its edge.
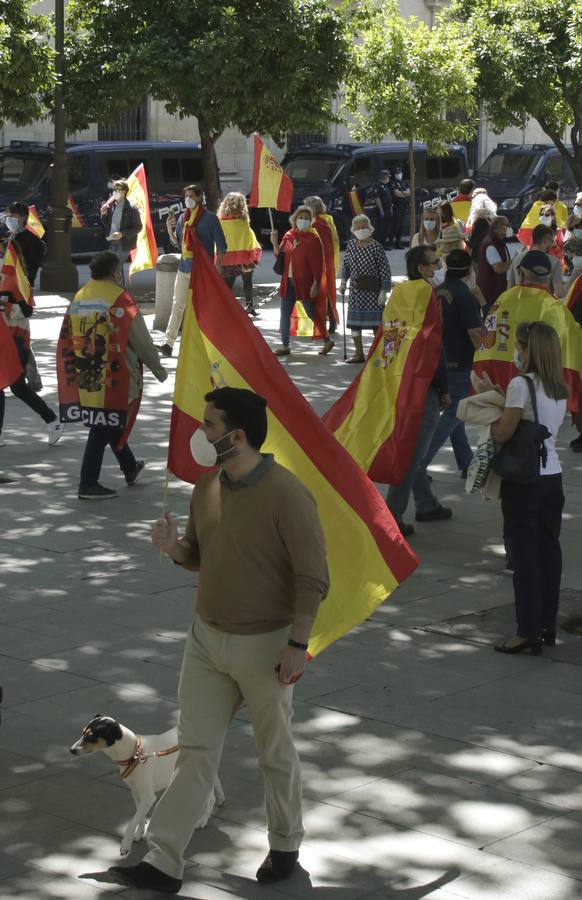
(532, 513)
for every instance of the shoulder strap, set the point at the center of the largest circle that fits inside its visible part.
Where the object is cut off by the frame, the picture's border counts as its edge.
(532, 395)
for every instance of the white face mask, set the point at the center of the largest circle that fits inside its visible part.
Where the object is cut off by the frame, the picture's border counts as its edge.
(190, 203)
(509, 231)
(398, 176)
(430, 224)
(578, 210)
(362, 233)
(117, 196)
(577, 233)
(303, 224)
(204, 451)
(13, 224)
(546, 220)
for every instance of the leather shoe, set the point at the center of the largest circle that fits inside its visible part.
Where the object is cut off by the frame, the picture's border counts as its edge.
(438, 514)
(406, 530)
(147, 877)
(277, 865)
(164, 349)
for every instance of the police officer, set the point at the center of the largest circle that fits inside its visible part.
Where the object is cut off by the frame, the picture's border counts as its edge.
(400, 190)
(381, 194)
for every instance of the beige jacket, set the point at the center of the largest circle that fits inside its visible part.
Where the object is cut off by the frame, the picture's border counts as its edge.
(484, 409)
(141, 347)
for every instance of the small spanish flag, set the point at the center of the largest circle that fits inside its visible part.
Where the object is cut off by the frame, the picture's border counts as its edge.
(528, 304)
(355, 202)
(461, 207)
(13, 277)
(78, 220)
(10, 366)
(367, 556)
(145, 254)
(270, 186)
(533, 218)
(34, 224)
(377, 418)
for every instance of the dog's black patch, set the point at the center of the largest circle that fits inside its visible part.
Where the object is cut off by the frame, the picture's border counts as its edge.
(103, 728)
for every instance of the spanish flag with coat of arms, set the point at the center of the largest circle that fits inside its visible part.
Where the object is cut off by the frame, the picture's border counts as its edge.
(145, 254)
(377, 418)
(270, 186)
(367, 556)
(528, 303)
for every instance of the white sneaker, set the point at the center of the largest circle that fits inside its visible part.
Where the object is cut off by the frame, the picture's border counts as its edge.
(55, 430)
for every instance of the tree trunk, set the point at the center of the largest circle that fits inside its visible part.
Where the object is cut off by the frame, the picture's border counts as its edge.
(412, 176)
(209, 168)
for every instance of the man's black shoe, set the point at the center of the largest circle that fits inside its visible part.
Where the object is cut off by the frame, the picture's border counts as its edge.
(576, 444)
(147, 878)
(438, 514)
(406, 530)
(277, 865)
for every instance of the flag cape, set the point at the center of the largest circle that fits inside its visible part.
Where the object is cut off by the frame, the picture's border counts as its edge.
(10, 366)
(189, 239)
(356, 207)
(78, 221)
(325, 227)
(13, 276)
(574, 294)
(461, 207)
(367, 556)
(145, 254)
(378, 417)
(533, 218)
(92, 370)
(242, 246)
(34, 224)
(270, 186)
(528, 304)
(310, 258)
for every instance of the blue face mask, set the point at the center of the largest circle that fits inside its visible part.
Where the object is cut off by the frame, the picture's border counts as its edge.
(519, 365)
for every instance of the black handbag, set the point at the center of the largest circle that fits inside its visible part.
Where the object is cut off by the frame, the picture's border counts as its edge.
(518, 461)
(279, 266)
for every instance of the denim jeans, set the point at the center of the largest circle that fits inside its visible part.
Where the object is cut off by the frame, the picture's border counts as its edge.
(287, 304)
(398, 494)
(97, 440)
(451, 427)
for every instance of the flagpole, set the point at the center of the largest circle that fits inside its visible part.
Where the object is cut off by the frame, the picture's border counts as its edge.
(165, 504)
(271, 218)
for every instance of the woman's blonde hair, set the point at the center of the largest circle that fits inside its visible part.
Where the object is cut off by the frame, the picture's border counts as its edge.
(234, 206)
(295, 215)
(315, 204)
(544, 356)
(423, 236)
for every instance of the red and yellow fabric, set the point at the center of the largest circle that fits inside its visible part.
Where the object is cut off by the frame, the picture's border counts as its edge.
(574, 294)
(34, 224)
(78, 221)
(378, 416)
(325, 227)
(145, 254)
(92, 371)
(189, 239)
(367, 556)
(270, 186)
(242, 246)
(461, 207)
(533, 218)
(13, 280)
(356, 205)
(304, 254)
(10, 366)
(528, 303)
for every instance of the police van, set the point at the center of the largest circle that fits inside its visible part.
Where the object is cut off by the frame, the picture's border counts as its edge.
(331, 171)
(26, 170)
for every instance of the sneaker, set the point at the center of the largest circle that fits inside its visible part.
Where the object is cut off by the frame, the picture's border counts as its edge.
(146, 877)
(164, 349)
(277, 865)
(406, 530)
(95, 492)
(55, 431)
(438, 514)
(133, 478)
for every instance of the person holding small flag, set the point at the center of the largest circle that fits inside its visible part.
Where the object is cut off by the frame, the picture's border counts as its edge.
(243, 251)
(122, 223)
(32, 248)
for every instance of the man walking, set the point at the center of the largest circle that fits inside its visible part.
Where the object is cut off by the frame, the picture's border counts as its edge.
(255, 537)
(400, 196)
(122, 223)
(195, 222)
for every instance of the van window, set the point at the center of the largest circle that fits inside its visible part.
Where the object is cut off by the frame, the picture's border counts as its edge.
(314, 169)
(121, 166)
(181, 170)
(191, 170)
(78, 171)
(510, 165)
(171, 170)
(433, 169)
(447, 167)
(554, 168)
(361, 170)
(21, 169)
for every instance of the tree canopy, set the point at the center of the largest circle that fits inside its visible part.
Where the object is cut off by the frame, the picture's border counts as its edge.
(26, 63)
(529, 59)
(259, 65)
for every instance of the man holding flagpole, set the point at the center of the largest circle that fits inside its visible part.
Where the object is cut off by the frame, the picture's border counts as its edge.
(249, 640)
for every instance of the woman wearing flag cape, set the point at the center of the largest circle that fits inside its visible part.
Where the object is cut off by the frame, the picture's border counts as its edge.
(301, 262)
(243, 251)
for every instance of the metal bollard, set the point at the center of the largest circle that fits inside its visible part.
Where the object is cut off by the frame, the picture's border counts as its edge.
(166, 268)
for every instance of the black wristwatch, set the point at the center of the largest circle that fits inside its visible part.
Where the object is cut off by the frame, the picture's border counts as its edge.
(296, 644)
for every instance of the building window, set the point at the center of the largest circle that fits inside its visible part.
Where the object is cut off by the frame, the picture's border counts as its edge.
(296, 139)
(131, 125)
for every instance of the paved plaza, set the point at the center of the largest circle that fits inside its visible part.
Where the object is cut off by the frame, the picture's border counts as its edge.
(433, 767)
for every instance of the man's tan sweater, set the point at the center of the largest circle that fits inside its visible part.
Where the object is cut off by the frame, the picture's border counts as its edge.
(260, 547)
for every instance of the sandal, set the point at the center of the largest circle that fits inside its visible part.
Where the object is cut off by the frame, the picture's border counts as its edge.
(356, 359)
(327, 347)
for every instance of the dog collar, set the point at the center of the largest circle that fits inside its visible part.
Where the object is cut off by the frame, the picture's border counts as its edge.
(139, 756)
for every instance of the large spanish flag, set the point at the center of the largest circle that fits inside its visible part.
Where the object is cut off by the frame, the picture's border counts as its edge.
(270, 186)
(242, 246)
(367, 556)
(528, 304)
(378, 417)
(34, 224)
(533, 218)
(461, 207)
(77, 221)
(145, 254)
(574, 294)
(13, 277)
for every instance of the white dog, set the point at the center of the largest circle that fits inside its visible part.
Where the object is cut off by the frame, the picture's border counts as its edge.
(146, 765)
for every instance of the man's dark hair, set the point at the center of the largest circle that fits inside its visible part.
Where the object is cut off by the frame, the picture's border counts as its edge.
(18, 209)
(552, 186)
(103, 264)
(459, 263)
(196, 188)
(242, 409)
(417, 257)
(466, 186)
(540, 232)
(547, 195)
